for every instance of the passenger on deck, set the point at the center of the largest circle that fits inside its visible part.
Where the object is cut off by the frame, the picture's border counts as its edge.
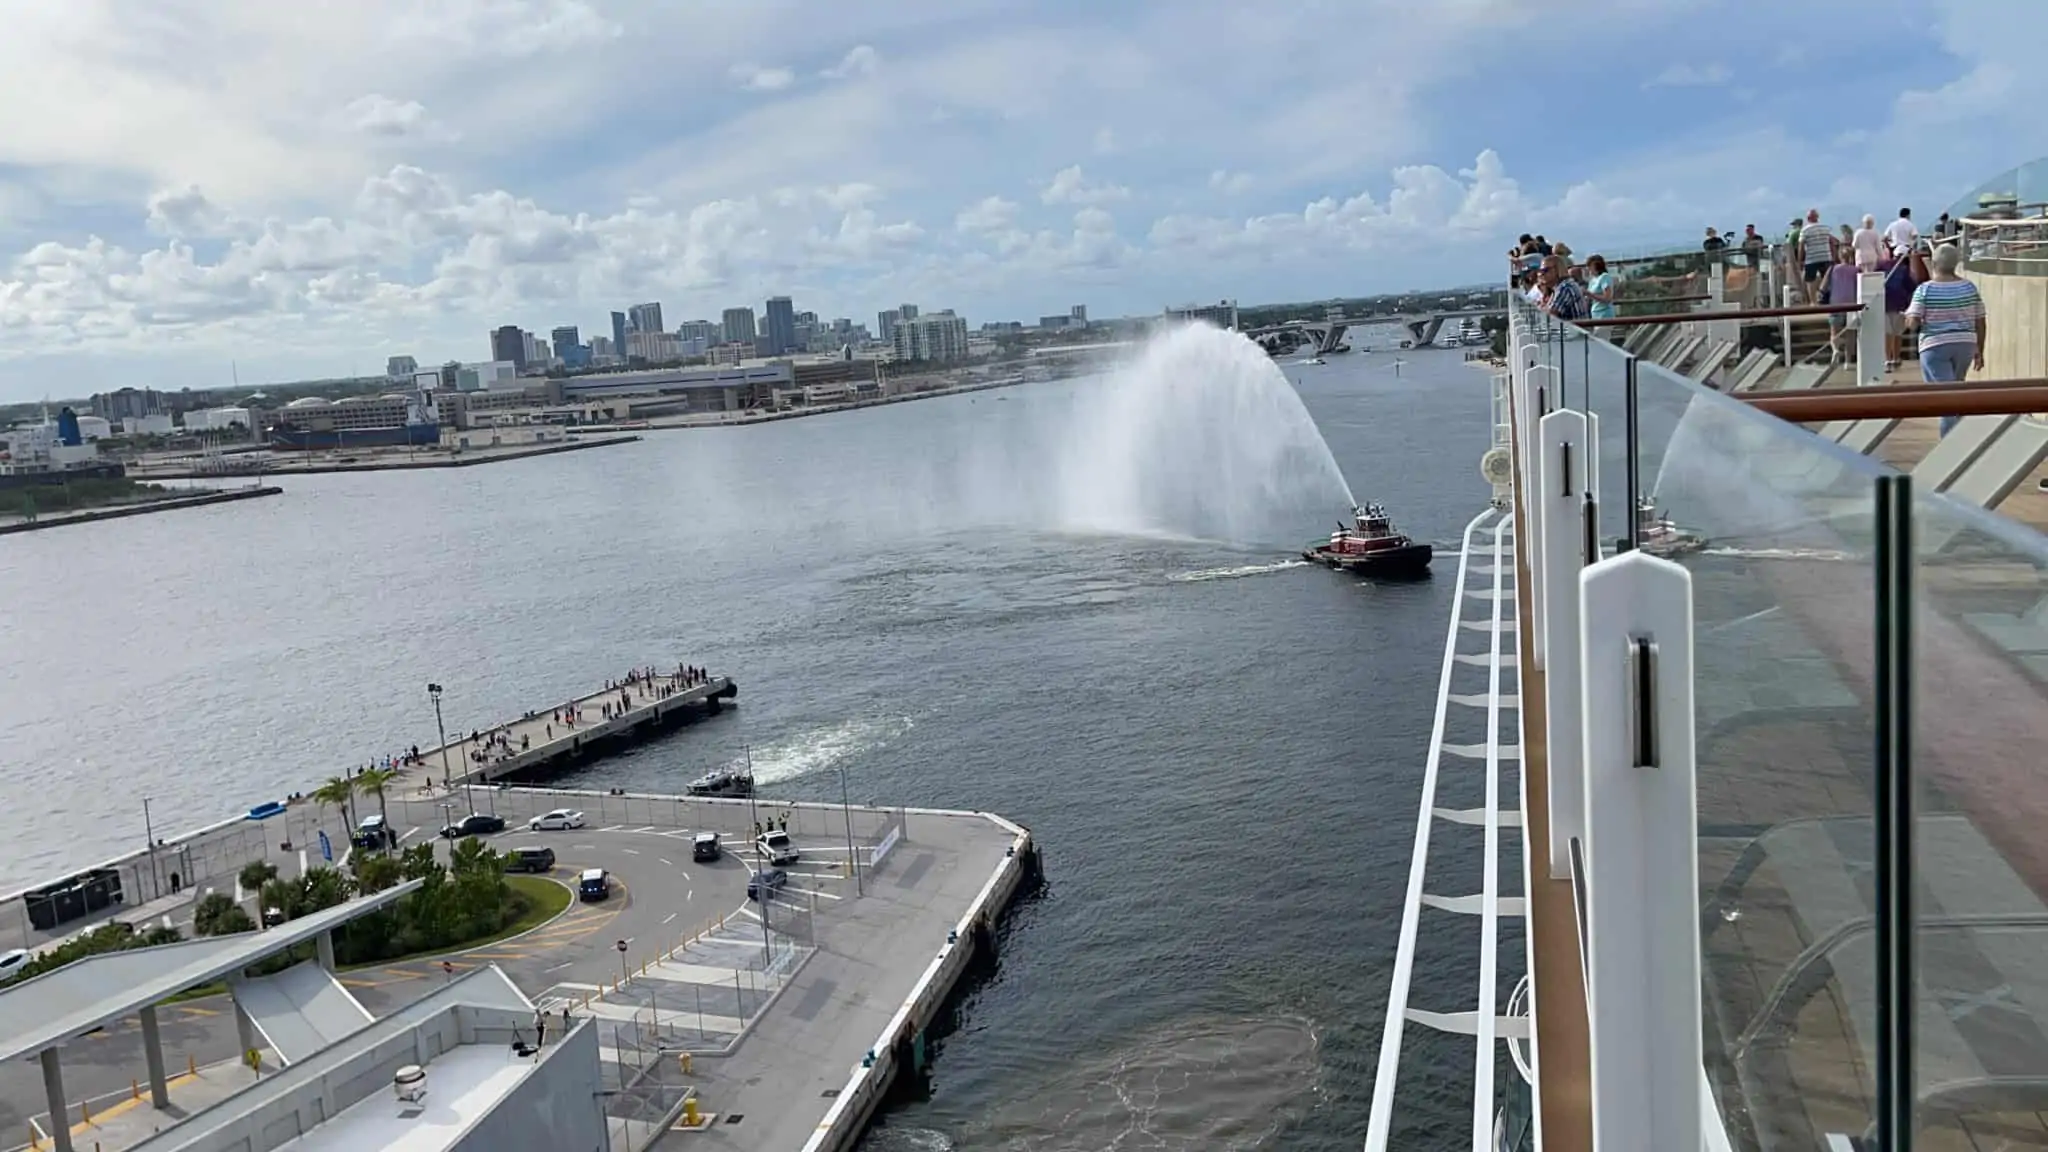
(1949, 315)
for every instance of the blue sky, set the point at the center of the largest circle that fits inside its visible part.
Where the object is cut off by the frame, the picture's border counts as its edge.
(304, 191)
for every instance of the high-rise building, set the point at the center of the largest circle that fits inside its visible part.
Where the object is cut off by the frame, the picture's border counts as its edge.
(619, 333)
(1080, 315)
(739, 326)
(563, 339)
(1223, 314)
(602, 347)
(938, 337)
(400, 369)
(644, 318)
(779, 327)
(536, 351)
(128, 404)
(907, 311)
(703, 332)
(885, 325)
(509, 343)
(448, 372)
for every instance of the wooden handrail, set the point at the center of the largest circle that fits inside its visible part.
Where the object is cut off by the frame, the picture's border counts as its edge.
(1733, 314)
(1900, 401)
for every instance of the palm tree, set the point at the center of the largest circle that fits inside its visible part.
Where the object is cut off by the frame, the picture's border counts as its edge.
(338, 792)
(372, 782)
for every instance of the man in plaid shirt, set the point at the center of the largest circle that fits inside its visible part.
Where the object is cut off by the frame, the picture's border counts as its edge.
(1562, 295)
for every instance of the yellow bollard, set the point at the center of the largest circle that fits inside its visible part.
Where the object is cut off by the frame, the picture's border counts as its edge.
(191, 1066)
(85, 1112)
(35, 1139)
(690, 1112)
(135, 1089)
(686, 1063)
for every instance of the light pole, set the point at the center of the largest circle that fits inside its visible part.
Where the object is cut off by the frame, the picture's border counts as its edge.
(149, 834)
(434, 694)
(852, 860)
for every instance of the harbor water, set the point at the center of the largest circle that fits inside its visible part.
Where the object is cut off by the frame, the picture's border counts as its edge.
(1217, 746)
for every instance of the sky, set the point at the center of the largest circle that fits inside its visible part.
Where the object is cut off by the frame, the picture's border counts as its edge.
(194, 192)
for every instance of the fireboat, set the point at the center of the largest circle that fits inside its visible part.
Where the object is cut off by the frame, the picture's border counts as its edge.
(1371, 547)
(1660, 535)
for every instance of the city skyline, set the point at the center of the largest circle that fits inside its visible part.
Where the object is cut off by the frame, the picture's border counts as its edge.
(302, 198)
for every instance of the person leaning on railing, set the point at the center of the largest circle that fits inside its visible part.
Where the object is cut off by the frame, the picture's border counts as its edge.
(1949, 315)
(1563, 297)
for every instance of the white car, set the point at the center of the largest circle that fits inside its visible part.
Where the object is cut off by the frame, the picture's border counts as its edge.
(778, 848)
(12, 962)
(560, 820)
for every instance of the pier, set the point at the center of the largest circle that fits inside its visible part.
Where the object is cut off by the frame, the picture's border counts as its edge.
(608, 720)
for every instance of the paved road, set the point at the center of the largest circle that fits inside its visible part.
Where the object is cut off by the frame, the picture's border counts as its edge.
(662, 897)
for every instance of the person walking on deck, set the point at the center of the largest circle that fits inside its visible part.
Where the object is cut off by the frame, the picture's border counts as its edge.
(1949, 315)
(1817, 253)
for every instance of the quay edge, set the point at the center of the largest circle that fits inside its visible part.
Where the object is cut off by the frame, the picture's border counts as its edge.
(970, 942)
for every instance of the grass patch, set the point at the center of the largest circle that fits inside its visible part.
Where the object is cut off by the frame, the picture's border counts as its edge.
(545, 900)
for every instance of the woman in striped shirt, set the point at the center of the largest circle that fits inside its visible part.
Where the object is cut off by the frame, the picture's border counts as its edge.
(1950, 317)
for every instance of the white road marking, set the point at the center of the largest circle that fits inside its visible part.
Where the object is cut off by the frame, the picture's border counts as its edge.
(630, 851)
(562, 965)
(581, 847)
(813, 892)
(612, 828)
(649, 828)
(666, 860)
(407, 835)
(668, 918)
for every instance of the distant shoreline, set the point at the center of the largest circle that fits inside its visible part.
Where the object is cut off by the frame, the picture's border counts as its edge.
(471, 458)
(144, 508)
(685, 424)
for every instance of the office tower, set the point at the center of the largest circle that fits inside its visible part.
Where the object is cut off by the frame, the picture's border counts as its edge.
(779, 327)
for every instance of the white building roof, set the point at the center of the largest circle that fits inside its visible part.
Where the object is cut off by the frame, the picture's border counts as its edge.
(48, 1010)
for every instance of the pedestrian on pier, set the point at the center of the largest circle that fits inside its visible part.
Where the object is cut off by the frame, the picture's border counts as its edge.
(782, 822)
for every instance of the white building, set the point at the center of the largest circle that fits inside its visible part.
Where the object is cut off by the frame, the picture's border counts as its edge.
(155, 424)
(92, 428)
(939, 336)
(220, 419)
(1223, 314)
(34, 448)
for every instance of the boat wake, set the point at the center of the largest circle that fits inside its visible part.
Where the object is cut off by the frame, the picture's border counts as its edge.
(1831, 554)
(1204, 1085)
(823, 748)
(1235, 573)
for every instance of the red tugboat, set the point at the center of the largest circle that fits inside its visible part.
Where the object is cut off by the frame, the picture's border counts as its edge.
(1371, 547)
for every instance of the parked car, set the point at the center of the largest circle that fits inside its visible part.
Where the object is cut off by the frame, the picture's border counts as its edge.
(530, 858)
(594, 884)
(272, 917)
(766, 883)
(560, 820)
(706, 848)
(12, 962)
(474, 824)
(374, 834)
(777, 848)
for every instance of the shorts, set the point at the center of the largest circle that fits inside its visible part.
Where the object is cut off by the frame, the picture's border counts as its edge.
(1895, 323)
(1815, 271)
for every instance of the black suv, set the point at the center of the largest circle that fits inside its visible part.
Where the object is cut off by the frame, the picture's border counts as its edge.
(474, 824)
(535, 859)
(705, 848)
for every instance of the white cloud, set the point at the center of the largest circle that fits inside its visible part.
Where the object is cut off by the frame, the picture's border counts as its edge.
(1688, 75)
(1105, 141)
(989, 214)
(382, 116)
(1230, 183)
(756, 78)
(1069, 186)
(860, 60)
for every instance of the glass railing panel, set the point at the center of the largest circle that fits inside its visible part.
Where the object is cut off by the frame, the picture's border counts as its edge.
(1776, 527)
(1980, 853)
(1606, 399)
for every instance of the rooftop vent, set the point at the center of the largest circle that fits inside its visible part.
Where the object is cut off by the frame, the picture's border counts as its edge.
(410, 1084)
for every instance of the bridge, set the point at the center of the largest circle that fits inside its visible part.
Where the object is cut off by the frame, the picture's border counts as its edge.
(1322, 337)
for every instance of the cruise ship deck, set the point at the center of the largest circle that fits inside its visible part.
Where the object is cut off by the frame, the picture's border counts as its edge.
(1741, 718)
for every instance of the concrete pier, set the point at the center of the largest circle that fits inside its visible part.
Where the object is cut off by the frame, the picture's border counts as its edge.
(551, 738)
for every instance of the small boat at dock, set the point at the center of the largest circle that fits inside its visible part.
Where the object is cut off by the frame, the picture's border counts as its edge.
(1371, 547)
(732, 785)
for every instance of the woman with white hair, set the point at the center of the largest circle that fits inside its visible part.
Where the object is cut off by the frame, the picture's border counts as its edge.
(1949, 315)
(1868, 243)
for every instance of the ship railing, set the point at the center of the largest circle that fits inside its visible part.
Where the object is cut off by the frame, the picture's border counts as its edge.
(1485, 604)
(1795, 801)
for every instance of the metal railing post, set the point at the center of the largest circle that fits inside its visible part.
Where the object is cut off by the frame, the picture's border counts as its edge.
(1566, 439)
(1641, 853)
(1870, 329)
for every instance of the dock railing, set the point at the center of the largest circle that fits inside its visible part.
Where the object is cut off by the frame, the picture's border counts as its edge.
(1829, 685)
